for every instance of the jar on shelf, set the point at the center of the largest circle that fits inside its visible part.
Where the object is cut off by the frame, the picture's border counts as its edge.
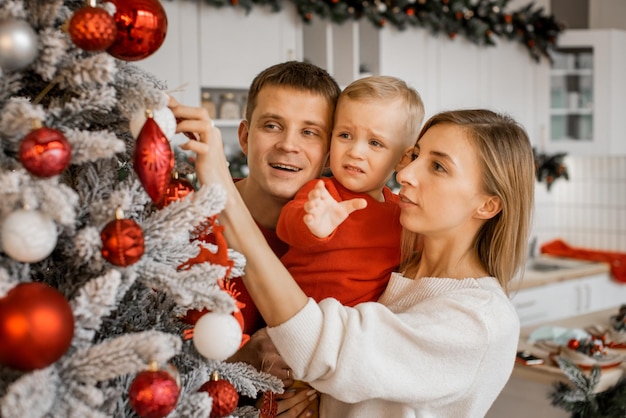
(229, 108)
(208, 103)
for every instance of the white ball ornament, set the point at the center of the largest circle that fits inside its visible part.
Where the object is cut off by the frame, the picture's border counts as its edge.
(28, 236)
(217, 336)
(18, 44)
(163, 117)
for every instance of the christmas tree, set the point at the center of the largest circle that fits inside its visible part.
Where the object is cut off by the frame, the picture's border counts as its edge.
(105, 307)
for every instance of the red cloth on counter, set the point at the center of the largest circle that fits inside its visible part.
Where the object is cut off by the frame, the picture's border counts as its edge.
(616, 260)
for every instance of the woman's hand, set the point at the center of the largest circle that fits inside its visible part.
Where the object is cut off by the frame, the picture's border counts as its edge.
(295, 403)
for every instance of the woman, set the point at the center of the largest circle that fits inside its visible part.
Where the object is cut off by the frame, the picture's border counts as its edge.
(441, 341)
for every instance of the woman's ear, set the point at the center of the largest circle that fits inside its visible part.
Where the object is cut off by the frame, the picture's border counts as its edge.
(490, 208)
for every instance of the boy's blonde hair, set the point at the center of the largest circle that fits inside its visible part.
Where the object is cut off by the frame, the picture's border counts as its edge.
(508, 170)
(388, 87)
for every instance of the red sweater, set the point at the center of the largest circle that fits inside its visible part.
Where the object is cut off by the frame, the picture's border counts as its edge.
(354, 263)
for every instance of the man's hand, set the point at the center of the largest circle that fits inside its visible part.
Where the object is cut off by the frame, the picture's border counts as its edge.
(324, 213)
(261, 353)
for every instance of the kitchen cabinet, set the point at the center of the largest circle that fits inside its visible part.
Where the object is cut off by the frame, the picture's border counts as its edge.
(588, 93)
(568, 297)
(448, 73)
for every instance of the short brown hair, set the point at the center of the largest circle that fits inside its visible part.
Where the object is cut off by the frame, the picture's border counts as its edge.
(296, 75)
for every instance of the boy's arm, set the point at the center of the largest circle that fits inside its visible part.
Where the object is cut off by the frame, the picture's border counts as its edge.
(324, 214)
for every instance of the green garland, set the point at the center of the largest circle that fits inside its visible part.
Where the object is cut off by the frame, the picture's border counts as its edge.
(479, 21)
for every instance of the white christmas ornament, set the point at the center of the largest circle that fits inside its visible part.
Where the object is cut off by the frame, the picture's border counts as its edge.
(217, 336)
(163, 117)
(18, 44)
(28, 236)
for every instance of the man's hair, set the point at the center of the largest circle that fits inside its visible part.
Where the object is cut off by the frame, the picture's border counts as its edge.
(297, 75)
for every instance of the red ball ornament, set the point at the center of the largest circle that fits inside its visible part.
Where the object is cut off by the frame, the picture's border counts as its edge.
(153, 394)
(45, 152)
(141, 29)
(36, 326)
(92, 29)
(153, 160)
(122, 242)
(177, 189)
(573, 344)
(224, 394)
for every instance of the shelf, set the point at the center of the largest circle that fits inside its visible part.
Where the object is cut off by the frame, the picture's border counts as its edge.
(227, 123)
(571, 72)
(573, 112)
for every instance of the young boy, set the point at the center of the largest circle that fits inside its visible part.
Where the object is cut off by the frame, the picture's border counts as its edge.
(376, 119)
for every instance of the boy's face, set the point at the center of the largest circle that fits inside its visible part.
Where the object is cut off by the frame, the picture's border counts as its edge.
(368, 140)
(286, 140)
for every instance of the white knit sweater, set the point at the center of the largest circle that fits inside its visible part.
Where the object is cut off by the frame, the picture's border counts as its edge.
(433, 347)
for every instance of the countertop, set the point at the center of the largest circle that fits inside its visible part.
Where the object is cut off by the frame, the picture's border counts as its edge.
(567, 269)
(550, 373)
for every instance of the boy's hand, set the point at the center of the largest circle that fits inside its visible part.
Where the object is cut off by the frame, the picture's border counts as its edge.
(324, 213)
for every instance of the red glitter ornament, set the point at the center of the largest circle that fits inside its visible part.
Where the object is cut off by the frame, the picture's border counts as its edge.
(141, 29)
(36, 326)
(224, 394)
(574, 344)
(92, 29)
(153, 394)
(122, 242)
(177, 189)
(45, 152)
(153, 160)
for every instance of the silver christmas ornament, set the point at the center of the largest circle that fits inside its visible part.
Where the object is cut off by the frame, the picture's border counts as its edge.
(18, 44)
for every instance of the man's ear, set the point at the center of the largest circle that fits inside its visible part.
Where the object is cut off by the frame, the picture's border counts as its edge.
(242, 132)
(490, 208)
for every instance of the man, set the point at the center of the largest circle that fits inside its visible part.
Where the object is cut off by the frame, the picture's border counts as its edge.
(286, 138)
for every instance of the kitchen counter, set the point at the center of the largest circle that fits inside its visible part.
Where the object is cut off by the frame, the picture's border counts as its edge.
(545, 270)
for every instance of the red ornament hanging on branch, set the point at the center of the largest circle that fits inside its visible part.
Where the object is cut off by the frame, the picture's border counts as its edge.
(36, 326)
(153, 159)
(122, 241)
(92, 28)
(141, 29)
(45, 152)
(224, 394)
(177, 189)
(154, 393)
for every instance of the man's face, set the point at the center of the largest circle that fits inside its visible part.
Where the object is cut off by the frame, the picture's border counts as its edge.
(286, 140)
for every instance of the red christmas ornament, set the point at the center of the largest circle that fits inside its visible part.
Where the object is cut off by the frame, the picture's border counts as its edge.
(36, 326)
(122, 242)
(141, 29)
(45, 152)
(224, 394)
(573, 344)
(153, 160)
(175, 190)
(92, 29)
(153, 394)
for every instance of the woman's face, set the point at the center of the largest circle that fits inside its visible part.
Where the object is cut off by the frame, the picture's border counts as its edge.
(441, 187)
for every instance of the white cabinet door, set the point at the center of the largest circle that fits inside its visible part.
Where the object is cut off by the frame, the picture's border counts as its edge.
(234, 46)
(546, 303)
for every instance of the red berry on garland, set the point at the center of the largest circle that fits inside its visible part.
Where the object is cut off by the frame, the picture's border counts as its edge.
(153, 159)
(153, 393)
(224, 394)
(122, 241)
(92, 28)
(36, 326)
(45, 152)
(141, 29)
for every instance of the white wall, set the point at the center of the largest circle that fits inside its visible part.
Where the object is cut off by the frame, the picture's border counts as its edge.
(587, 211)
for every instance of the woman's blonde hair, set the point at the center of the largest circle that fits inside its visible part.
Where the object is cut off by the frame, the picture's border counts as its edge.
(384, 87)
(508, 170)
